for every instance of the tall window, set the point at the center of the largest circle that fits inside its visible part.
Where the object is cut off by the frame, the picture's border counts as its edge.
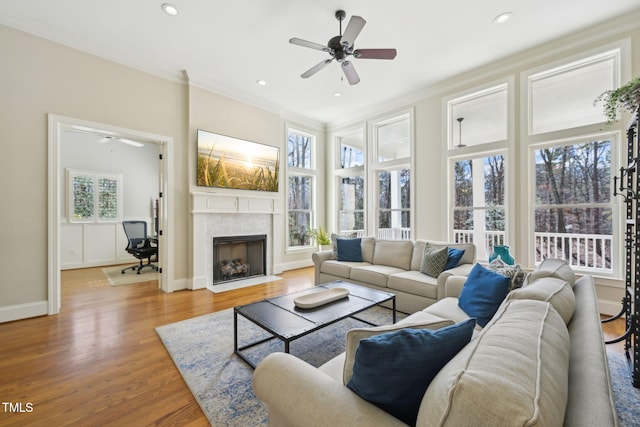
(571, 162)
(478, 202)
(573, 208)
(478, 141)
(301, 176)
(392, 173)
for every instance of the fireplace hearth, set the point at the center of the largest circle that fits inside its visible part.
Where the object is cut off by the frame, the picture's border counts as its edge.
(238, 257)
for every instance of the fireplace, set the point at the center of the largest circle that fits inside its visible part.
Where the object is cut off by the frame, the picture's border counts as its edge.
(239, 257)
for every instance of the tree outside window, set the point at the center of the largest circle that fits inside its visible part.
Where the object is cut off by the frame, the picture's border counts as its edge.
(394, 204)
(573, 207)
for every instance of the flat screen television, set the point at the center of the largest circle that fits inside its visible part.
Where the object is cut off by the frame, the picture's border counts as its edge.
(228, 162)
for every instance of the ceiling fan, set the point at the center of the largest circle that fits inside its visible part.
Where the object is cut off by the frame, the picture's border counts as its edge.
(341, 47)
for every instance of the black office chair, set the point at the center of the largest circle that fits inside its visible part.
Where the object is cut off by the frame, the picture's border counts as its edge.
(139, 245)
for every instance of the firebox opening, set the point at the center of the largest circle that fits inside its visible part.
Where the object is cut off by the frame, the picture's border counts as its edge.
(238, 257)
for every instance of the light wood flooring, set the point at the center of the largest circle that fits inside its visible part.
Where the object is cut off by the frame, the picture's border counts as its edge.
(100, 363)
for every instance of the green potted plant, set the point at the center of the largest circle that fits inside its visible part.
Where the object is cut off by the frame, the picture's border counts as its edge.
(625, 98)
(321, 237)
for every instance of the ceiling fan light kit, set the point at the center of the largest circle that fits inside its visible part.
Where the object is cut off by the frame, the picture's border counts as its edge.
(341, 47)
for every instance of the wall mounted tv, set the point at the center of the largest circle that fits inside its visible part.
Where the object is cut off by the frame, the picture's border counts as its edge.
(228, 162)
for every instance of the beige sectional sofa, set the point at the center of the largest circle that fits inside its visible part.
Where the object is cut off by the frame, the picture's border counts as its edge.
(540, 361)
(394, 266)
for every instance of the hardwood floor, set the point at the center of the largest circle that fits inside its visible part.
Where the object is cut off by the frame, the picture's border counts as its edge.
(100, 363)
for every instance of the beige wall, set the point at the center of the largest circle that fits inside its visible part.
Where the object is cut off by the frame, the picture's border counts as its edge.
(38, 77)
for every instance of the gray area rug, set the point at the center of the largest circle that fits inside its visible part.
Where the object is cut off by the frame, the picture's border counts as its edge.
(627, 397)
(202, 350)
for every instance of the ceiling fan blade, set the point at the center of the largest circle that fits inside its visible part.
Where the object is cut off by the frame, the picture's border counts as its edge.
(306, 43)
(353, 29)
(311, 71)
(375, 53)
(350, 72)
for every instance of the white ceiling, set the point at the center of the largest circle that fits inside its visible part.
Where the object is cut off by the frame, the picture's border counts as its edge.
(227, 46)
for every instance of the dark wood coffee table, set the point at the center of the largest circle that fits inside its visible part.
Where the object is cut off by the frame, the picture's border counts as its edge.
(280, 317)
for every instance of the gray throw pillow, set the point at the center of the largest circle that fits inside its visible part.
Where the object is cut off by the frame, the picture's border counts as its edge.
(434, 259)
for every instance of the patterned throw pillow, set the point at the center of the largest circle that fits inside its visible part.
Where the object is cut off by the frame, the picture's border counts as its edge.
(434, 259)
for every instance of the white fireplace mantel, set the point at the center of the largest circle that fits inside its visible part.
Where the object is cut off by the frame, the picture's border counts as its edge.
(230, 214)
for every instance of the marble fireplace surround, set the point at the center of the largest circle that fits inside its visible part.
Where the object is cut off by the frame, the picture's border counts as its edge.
(216, 215)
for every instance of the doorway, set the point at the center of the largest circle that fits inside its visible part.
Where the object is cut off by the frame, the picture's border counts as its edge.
(59, 129)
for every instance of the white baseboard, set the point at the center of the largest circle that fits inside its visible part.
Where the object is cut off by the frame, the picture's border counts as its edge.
(279, 268)
(609, 307)
(23, 311)
(180, 285)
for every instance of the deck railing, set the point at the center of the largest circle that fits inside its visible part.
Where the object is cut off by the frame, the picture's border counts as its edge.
(583, 251)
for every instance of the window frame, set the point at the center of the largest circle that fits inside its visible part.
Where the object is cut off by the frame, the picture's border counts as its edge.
(377, 166)
(94, 176)
(312, 173)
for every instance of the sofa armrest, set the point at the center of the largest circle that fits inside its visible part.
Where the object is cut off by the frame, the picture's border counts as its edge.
(318, 258)
(297, 394)
(454, 285)
(460, 270)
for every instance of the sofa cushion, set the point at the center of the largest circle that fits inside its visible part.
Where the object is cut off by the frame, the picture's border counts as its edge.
(339, 269)
(434, 259)
(448, 308)
(549, 289)
(415, 283)
(553, 267)
(393, 253)
(393, 370)
(349, 250)
(482, 293)
(515, 373)
(374, 274)
(417, 320)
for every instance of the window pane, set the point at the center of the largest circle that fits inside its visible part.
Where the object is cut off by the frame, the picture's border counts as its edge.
(573, 214)
(83, 198)
(579, 173)
(108, 198)
(351, 221)
(350, 156)
(299, 150)
(463, 181)
(351, 193)
(299, 225)
(479, 118)
(479, 214)
(394, 202)
(562, 98)
(393, 139)
(351, 203)
(300, 192)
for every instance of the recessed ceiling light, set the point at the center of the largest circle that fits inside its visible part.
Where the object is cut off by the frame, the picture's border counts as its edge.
(502, 18)
(337, 94)
(261, 82)
(169, 9)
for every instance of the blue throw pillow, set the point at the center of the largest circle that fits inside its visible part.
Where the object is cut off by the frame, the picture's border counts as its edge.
(393, 370)
(455, 255)
(483, 293)
(349, 250)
